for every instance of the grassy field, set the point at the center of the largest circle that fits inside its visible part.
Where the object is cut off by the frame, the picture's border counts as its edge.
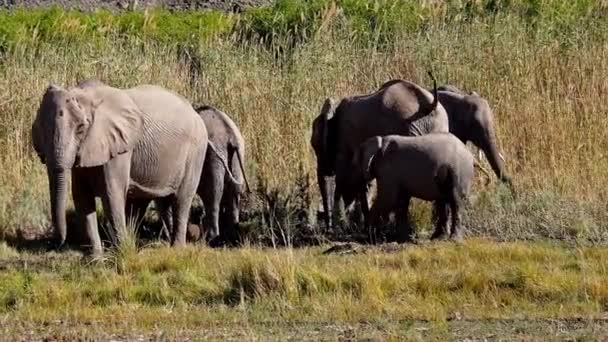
(480, 288)
(540, 64)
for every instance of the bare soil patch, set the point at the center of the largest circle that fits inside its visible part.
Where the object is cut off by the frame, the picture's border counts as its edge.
(118, 5)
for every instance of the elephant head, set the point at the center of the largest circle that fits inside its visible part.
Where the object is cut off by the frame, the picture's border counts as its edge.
(78, 128)
(322, 141)
(472, 119)
(364, 158)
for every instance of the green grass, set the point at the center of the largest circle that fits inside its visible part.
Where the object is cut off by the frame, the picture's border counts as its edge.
(186, 289)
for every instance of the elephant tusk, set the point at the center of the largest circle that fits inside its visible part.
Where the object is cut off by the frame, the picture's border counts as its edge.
(479, 155)
(501, 157)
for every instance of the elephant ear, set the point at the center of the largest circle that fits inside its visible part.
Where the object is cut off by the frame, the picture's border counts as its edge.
(38, 131)
(37, 137)
(319, 134)
(367, 154)
(321, 131)
(117, 126)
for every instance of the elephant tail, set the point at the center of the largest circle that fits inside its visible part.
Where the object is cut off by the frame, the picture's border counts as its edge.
(426, 110)
(225, 164)
(445, 180)
(240, 159)
(435, 97)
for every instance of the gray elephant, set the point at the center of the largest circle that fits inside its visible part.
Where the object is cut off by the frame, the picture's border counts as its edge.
(434, 167)
(398, 107)
(471, 119)
(223, 174)
(142, 142)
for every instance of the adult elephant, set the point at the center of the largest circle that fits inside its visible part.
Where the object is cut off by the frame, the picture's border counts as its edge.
(398, 107)
(142, 142)
(472, 119)
(223, 174)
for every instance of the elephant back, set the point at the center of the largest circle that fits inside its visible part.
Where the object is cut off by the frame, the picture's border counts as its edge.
(398, 107)
(168, 115)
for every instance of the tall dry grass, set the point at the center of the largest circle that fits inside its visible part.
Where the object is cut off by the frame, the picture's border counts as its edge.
(547, 93)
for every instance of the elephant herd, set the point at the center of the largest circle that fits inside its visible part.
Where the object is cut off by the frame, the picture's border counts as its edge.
(133, 146)
(412, 142)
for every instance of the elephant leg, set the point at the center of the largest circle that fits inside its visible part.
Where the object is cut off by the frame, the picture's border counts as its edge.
(338, 213)
(364, 208)
(211, 190)
(116, 183)
(402, 216)
(440, 216)
(84, 204)
(385, 201)
(229, 216)
(180, 207)
(455, 206)
(182, 200)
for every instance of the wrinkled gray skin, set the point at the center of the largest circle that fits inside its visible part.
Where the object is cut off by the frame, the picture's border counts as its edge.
(398, 107)
(471, 119)
(142, 142)
(434, 167)
(223, 174)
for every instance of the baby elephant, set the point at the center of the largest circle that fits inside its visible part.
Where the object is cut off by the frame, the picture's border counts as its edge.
(433, 167)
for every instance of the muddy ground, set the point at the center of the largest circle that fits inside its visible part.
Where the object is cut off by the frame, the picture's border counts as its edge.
(118, 5)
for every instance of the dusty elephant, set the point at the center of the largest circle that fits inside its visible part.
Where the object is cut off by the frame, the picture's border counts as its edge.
(434, 167)
(398, 107)
(472, 119)
(223, 174)
(142, 142)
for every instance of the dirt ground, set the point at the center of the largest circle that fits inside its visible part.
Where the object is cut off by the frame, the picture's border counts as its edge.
(90, 5)
(475, 330)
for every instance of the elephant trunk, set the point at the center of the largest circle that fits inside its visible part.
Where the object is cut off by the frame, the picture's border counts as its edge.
(324, 188)
(491, 152)
(58, 190)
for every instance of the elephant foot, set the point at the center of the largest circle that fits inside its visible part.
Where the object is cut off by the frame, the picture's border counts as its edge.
(217, 242)
(95, 258)
(456, 237)
(178, 243)
(57, 245)
(439, 235)
(407, 239)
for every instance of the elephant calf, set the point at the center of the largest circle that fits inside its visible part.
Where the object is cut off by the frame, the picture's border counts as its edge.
(223, 172)
(434, 167)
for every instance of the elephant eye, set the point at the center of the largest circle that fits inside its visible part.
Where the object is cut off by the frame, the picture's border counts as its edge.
(81, 129)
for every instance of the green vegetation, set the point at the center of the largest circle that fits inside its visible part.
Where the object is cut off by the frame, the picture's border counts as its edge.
(375, 22)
